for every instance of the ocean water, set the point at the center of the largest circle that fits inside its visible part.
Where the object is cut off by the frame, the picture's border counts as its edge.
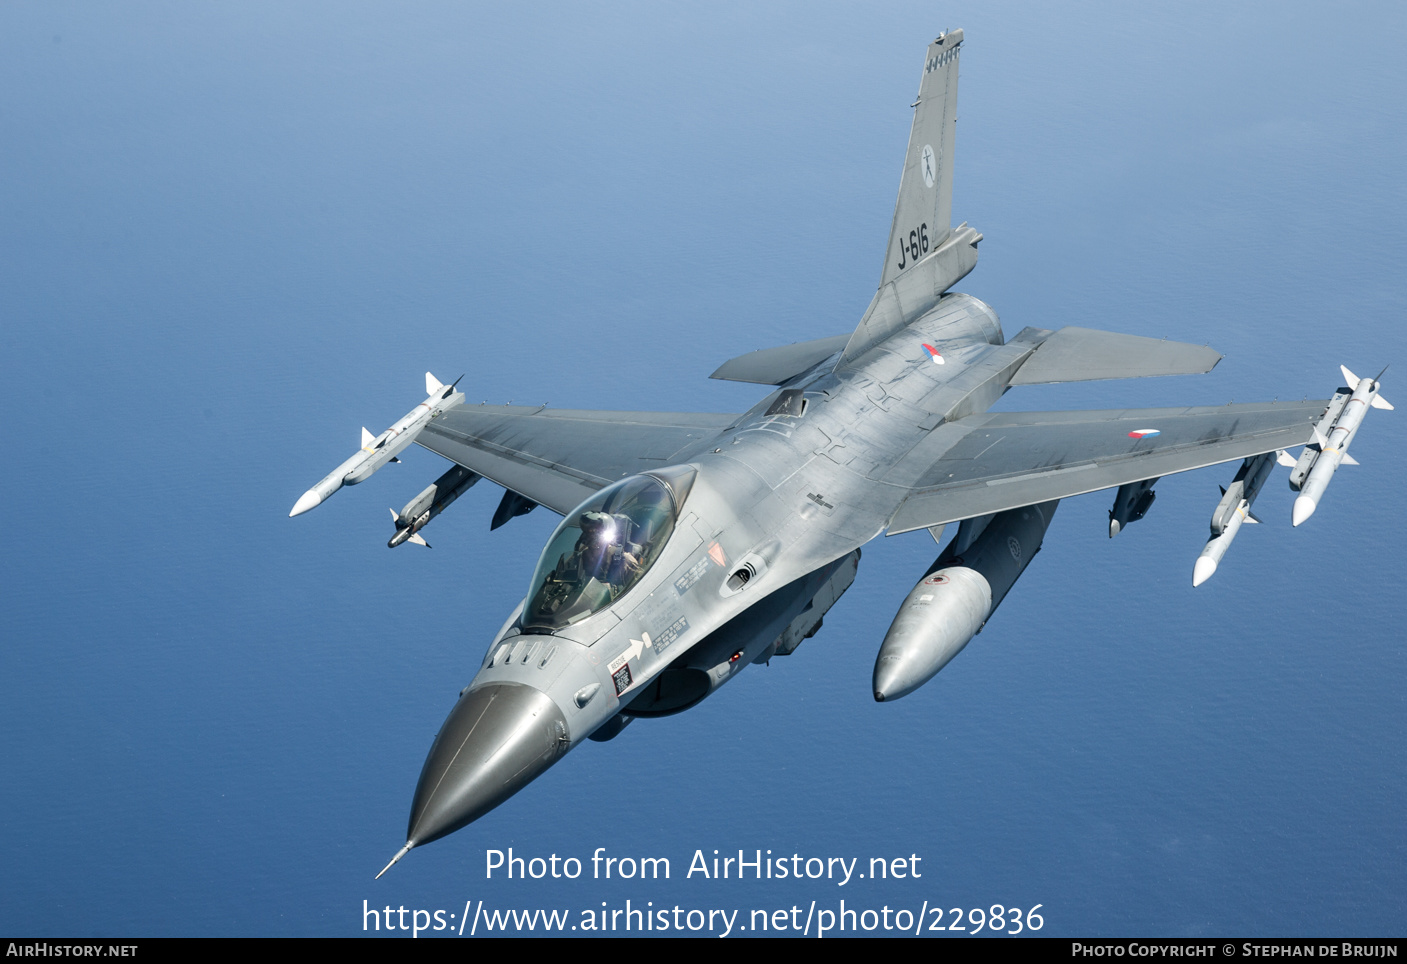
(232, 234)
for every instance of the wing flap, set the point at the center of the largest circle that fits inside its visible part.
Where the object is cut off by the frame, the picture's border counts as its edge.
(1008, 460)
(559, 457)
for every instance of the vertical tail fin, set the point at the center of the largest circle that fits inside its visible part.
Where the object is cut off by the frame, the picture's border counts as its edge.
(923, 214)
(926, 255)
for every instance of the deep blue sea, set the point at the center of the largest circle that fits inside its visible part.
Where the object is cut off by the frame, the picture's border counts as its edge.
(232, 234)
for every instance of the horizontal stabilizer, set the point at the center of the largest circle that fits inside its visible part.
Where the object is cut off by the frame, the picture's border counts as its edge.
(1085, 354)
(773, 366)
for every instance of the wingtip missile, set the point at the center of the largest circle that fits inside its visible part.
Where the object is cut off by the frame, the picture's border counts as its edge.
(1333, 450)
(378, 450)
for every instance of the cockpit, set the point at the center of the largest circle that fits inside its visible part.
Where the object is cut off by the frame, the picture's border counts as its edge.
(600, 550)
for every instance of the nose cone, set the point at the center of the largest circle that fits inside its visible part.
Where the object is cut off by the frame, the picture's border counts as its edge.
(1304, 508)
(308, 500)
(497, 740)
(1202, 570)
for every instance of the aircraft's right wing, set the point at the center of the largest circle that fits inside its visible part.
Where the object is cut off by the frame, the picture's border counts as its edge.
(559, 457)
(997, 461)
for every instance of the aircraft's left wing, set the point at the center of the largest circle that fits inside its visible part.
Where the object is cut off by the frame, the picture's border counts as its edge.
(559, 457)
(997, 461)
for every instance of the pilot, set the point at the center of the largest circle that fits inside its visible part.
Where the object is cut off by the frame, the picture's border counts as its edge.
(604, 550)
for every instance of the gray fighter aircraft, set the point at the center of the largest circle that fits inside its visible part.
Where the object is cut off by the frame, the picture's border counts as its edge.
(695, 545)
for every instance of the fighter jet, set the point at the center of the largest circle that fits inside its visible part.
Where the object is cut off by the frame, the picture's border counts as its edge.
(695, 545)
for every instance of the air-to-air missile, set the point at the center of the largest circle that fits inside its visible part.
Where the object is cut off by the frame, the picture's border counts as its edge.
(1315, 468)
(955, 597)
(435, 499)
(1232, 512)
(377, 450)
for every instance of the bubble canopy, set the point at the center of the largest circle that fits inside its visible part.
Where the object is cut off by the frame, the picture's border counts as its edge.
(601, 549)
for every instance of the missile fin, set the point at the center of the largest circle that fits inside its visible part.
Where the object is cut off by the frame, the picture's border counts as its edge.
(367, 437)
(1348, 460)
(1381, 403)
(1351, 379)
(432, 384)
(395, 516)
(1286, 459)
(1319, 438)
(419, 541)
(1251, 517)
